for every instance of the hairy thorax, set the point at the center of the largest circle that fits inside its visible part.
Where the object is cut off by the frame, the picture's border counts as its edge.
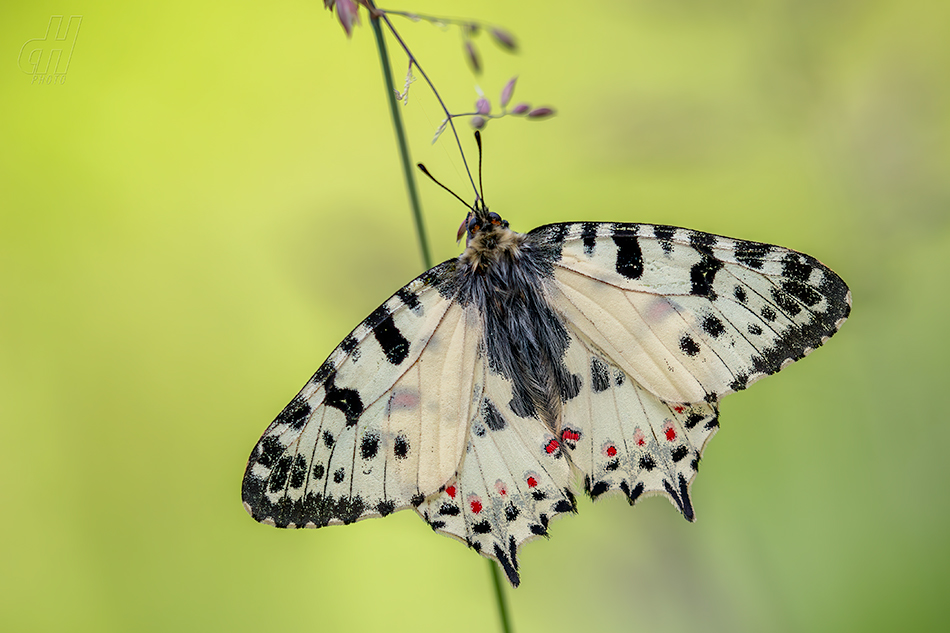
(490, 246)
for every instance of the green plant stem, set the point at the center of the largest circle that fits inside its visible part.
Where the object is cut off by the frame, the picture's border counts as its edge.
(500, 597)
(423, 242)
(403, 144)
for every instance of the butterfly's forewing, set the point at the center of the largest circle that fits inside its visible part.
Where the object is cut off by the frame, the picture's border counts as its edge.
(383, 422)
(691, 316)
(513, 479)
(623, 438)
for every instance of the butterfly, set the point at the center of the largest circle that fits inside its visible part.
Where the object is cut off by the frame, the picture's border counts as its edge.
(477, 391)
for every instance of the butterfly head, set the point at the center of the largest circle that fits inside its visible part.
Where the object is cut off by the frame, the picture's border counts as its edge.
(480, 220)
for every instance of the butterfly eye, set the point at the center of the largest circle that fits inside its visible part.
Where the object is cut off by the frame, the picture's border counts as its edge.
(473, 225)
(494, 218)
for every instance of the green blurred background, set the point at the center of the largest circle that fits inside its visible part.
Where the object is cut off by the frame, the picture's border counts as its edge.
(212, 199)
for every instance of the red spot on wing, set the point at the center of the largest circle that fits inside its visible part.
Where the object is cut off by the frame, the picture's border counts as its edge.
(476, 505)
(501, 488)
(611, 450)
(670, 434)
(551, 447)
(570, 434)
(450, 491)
(638, 437)
(679, 408)
(532, 482)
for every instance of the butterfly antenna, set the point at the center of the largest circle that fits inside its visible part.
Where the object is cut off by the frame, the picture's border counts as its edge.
(481, 191)
(423, 169)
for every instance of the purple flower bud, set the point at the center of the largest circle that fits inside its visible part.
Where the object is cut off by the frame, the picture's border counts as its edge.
(471, 28)
(472, 53)
(478, 122)
(507, 91)
(521, 108)
(540, 113)
(348, 12)
(483, 106)
(504, 38)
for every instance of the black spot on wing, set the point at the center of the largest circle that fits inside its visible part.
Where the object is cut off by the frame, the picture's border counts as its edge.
(632, 495)
(647, 463)
(482, 527)
(600, 380)
(349, 343)
(740, 382)
(629, 256)
(754, 329)
(506, 565)
(751, 253)
(270, 449)
(328, 439)
(740, 294)
(298, 472)
(679, 453)
(598, 489)
(804, 293)
(401, 447)
(681, 497)
(688, 345)
(538, 530)
(345, 400)
(338, 476)
(664, 234)
(589, 237)
(768, 314)
(692, 419)
(713, 326)
(785, 301)
(492, 418)
(409, 298)
(369, 447)
(318, 471)
(394, 344)
(702, 242)
(295, 414)
(795, 266)
(278, 476)
(702, 274)
(385, 508)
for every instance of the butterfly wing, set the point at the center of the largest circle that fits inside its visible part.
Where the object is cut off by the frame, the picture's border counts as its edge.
(623, 438)
(381, 425)
(513, 480)
(691, 316)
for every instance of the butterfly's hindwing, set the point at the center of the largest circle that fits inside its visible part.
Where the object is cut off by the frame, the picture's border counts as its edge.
(689, 315)
(380, 426)
(624, 439)
(514, 478)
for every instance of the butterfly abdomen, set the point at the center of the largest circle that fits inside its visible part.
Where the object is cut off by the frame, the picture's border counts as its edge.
(503, 275)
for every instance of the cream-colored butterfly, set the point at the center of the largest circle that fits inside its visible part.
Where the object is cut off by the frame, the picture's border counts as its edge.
(473, 392)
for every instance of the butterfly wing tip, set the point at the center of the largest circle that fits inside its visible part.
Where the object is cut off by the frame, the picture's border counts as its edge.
(506, 565)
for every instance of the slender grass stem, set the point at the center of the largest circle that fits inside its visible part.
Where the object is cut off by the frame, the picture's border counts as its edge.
(500, 597)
